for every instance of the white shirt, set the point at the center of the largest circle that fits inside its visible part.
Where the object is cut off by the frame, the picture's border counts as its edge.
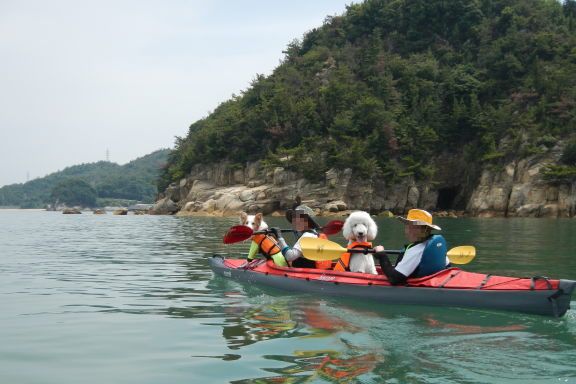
(296, 250)
(412, 258)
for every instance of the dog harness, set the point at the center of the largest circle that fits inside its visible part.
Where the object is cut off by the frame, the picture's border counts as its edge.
(267, 245)
(343, 263)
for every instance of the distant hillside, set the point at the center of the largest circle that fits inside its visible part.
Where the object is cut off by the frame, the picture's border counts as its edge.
(390, 86)
(135, 181)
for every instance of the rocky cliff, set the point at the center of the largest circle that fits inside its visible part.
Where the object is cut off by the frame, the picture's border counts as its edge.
(222, 190)
(512, 189)
(518, 189)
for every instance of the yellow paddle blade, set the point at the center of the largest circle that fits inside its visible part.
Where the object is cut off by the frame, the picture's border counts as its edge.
(462, 254)
(320, 249)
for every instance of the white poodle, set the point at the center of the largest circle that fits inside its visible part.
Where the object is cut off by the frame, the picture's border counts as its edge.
(359, 226)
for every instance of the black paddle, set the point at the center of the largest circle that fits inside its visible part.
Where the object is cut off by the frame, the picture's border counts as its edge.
(241, 232)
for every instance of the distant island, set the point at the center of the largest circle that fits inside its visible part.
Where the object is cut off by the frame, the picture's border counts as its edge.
(91, 185)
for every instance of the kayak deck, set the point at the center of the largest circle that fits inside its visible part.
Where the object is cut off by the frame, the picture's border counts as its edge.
(452, 278)
(451, 287)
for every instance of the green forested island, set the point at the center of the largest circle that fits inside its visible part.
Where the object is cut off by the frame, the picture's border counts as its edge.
(391, 86)
(94, 184)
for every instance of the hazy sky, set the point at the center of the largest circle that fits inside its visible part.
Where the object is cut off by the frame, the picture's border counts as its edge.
(78, 78)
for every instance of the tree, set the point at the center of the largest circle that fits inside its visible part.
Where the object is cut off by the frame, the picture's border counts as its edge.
(74, 192)
(402, 82)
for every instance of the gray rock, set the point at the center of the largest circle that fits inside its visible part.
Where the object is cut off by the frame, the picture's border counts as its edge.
(280, 176)
(515, 189)
(164, 206)
(238, 176)
(71, 211)
(247, 195)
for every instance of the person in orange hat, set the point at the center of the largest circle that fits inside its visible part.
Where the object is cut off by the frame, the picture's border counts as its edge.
(424, 255)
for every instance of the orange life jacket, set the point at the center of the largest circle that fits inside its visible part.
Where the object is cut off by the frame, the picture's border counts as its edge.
(343, 263)
(268, 246)
(323, 264)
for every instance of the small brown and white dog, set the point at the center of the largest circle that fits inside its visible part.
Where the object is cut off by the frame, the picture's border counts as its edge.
(256, 222)
(359, 226)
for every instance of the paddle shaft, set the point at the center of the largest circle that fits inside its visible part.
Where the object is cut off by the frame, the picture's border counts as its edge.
(283, 230)
(371, 250)
(265, 231)
(241, 232)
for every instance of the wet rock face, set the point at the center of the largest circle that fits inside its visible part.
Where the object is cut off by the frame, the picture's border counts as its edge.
(515, 189)
(519, 190)
(216, 190)
(164, 206)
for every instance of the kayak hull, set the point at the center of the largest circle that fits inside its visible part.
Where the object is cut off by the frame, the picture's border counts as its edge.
(548, 302)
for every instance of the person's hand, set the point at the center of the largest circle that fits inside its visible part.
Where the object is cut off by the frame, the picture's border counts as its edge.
(379, 248)
(275, 231)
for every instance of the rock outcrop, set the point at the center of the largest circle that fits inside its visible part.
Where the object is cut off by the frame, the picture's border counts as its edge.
(519, 190)
(515, 189)
(223, 190)
(71, 211)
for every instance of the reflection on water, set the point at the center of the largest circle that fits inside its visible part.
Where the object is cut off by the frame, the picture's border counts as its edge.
(131, 300)
(312, 366)
(261, 322)
(353, 339)
(261, 319)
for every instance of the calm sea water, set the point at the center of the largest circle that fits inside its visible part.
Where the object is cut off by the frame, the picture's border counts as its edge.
(131, 299)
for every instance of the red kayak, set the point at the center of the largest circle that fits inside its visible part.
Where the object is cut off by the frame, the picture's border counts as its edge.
(450, 287)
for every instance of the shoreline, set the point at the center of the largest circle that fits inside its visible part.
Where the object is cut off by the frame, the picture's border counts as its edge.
(335, 215)
(23, 209)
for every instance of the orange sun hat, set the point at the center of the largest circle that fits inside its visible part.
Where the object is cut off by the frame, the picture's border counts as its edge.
(419, 217)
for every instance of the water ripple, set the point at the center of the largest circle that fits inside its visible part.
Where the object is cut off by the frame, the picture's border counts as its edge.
(132, 300)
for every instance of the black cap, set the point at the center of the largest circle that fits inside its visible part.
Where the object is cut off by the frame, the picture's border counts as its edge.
(304, 211)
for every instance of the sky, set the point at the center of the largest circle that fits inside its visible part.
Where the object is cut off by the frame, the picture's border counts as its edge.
(83, 81)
